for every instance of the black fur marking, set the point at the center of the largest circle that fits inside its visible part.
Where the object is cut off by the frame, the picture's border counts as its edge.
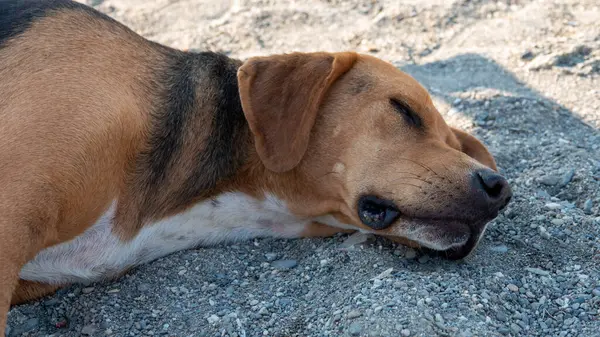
(226, 148)
(167, 135)
(16, 16)
(181, 115)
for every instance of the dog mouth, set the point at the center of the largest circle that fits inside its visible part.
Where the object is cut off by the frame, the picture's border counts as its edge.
(452, 239)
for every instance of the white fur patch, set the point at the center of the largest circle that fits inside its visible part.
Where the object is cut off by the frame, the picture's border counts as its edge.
(97, 254)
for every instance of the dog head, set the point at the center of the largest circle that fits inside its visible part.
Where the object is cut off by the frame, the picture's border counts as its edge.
(362, 143)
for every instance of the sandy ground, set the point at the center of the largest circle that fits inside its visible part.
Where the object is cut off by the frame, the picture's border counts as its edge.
(522, 75)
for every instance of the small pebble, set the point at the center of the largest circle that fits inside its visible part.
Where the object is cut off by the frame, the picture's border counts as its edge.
(213, 319)
(87, 290)
(410, 254)
(504, 330)
(424, 259)
(271, 256)
(549, 180)
(499, 249)
(596, 292)
(88, 330)
(515, 328)
(512, 287)
(527, 56)
(567, 177)
(544, 233)
(587, 206)
(51, 302)
(355, 329)
(405, 332)
(354, 314)
(284, 264)
(553, 206)
(538, 271)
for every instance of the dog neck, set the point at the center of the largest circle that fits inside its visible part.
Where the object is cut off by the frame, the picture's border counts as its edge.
(198, 141)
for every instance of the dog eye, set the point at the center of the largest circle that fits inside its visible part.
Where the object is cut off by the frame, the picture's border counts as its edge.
(409, 115)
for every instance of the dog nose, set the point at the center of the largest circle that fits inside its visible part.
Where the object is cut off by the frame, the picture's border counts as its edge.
(495, 188)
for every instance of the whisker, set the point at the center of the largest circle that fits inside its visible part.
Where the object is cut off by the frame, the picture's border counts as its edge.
(420, 164)
(414, 178)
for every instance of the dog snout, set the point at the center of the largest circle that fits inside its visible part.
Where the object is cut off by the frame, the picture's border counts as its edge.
(492, 189)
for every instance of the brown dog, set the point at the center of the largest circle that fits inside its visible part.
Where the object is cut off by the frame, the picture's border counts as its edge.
(115, 151)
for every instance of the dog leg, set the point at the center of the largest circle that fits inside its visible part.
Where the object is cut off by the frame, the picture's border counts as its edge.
(319, 230)
(28, 291)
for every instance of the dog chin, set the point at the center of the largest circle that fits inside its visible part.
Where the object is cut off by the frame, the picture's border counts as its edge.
(460, 249)
(452, 240)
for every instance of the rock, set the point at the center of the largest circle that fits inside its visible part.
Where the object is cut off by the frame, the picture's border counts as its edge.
(543, 194)
(424, 259)
(405, 332)
(271, 256)
(587, 206)
(596, 292)
(410, 254)
(503, 330)
(512, 287)
(501, 316)
(515, 328)
(87, 290)
(538, 271)
(284, 264)
(527, 56)
(354, 314)
(553, 206)
(385, 274)
(499, 249)
(557, 222)
(567, 177)
(550, 180)
(28, 325)
(88, 330)
(544, 233)
(354, 239)
(51, 302)
(213, 319)
(542, 62)
(355, 329)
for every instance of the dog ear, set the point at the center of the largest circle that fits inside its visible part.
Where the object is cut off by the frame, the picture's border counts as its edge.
(281, 95)
(475, 149)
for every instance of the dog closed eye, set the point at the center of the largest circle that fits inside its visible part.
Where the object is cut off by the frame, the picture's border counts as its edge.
(409, 115)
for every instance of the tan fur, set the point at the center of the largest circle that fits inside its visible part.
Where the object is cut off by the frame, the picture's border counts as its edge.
(73, 118)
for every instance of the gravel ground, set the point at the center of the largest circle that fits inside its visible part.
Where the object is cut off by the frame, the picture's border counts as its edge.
(521, 75)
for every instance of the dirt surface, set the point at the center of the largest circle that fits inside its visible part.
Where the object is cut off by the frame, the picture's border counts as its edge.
(521, 75)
